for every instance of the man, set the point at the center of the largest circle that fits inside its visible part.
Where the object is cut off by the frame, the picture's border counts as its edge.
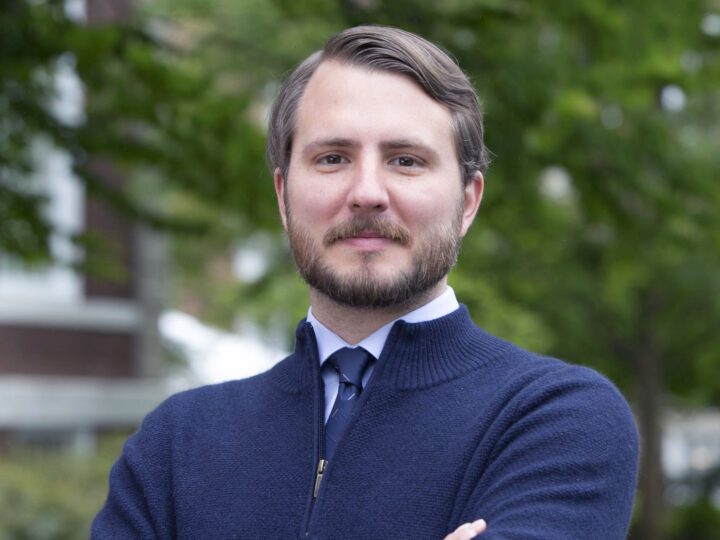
(396, 416)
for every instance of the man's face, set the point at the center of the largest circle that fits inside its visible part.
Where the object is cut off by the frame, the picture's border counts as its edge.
(373, 202)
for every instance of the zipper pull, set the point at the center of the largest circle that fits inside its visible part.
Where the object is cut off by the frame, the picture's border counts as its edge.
(318, 476)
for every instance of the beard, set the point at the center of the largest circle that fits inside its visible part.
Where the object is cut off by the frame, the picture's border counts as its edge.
(432, 258)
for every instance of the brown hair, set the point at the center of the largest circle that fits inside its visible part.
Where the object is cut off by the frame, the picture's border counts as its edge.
(395, 51)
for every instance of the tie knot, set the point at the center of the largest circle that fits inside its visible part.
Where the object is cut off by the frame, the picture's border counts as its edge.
(350, 364)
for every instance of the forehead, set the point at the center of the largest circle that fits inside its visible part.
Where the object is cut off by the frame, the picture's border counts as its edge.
(370, 106)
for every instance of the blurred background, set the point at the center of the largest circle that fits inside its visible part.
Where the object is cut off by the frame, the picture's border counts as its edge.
(141, 254)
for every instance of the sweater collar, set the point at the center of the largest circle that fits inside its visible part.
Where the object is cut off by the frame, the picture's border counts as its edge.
(328, 341)
(429, 353)
(416, 355)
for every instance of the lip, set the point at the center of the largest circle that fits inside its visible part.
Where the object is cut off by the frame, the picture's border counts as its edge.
(367, 241)
(369, 234)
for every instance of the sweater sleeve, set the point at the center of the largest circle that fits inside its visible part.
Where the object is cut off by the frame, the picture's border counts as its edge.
(137, 503)
(563, 465)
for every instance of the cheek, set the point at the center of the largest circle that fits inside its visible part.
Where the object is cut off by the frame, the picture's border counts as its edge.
(313, 201)
(427, 208)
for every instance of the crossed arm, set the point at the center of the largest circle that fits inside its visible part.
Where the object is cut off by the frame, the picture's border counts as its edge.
(554, 470)
(558, 469)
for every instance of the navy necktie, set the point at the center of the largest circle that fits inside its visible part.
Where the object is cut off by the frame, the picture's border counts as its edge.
(350, 365)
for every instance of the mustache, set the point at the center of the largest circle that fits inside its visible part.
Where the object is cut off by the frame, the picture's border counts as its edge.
(364, 224)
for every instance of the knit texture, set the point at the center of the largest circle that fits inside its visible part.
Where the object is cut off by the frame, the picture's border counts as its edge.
(454, 425)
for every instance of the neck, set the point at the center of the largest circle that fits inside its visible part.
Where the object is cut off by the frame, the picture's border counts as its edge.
(353, 324)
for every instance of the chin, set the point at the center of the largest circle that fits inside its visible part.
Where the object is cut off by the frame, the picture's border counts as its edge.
(371, 269)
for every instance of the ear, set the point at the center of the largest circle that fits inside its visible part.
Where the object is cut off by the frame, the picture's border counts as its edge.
(471, 203)
(280, 193)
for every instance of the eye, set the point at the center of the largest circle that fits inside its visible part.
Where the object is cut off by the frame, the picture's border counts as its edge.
(331, 159)
(406, 161)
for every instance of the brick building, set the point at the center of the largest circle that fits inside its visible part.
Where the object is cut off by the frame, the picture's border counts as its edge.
(79, 354)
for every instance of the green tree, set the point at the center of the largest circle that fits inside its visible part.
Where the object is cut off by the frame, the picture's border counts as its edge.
(598, 240)
(51, 495)
(151, 110)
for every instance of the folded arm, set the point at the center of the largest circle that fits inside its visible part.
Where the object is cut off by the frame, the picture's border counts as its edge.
(564, 467)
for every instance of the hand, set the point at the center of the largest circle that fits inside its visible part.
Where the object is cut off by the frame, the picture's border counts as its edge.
(466, 531)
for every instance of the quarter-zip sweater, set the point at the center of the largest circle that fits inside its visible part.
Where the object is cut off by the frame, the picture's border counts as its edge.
(454, 425)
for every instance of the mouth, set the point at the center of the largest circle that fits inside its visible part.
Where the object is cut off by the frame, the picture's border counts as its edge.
(367, 240)
(367, 233)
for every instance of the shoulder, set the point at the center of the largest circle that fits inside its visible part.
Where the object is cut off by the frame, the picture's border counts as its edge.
(210, 407)
(539, 387)
(213, 398)
(549, 395)
(516, 368)
(557, 439)
(546, 376)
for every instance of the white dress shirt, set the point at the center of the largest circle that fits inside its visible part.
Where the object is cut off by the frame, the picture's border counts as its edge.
(329, 342)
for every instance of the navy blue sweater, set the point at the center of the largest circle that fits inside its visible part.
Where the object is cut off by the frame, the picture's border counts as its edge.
(454, 425)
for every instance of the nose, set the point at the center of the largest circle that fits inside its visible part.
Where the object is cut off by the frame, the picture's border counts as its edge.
(368, 191)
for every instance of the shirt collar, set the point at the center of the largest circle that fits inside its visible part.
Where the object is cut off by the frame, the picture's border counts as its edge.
(329, 342)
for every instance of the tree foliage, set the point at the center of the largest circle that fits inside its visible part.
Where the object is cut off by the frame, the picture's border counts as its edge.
(151, 110)
(599, 236)
(599, 215)
(51, 495)
(598, 239)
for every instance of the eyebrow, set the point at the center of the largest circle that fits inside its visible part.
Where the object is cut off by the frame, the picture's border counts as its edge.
(411, 144)
(394, 144)
(330, 142)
